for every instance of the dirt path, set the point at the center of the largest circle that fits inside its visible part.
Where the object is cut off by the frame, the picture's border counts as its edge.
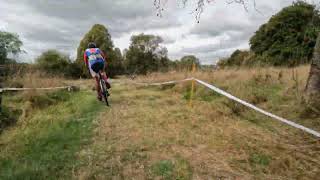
(152, 133)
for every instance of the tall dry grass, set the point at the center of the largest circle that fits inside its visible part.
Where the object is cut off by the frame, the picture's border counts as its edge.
(34, 79)
(279, 90)
(229, 77)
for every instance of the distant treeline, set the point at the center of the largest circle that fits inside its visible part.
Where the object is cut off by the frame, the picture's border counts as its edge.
(287, 39)
(144, 55)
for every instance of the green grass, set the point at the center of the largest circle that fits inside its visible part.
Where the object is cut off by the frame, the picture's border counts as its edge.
(47, 148)
(178, 168)
(259, 159)
(163, 168)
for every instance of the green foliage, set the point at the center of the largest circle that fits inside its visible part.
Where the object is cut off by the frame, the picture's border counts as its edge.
(186, 62)
(9, 43)
(146, 55)
(237, 58)
(53, 62)
(116, 66)
(289, 37)
(100, 35)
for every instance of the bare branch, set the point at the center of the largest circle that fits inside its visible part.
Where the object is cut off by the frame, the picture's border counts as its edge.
(159, 4)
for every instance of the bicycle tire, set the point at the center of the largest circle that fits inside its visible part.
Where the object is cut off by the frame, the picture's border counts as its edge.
(104, 90)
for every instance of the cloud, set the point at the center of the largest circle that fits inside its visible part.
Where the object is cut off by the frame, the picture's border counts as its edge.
(60, 25)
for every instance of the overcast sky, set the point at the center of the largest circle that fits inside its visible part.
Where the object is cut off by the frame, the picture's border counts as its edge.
(60, 24)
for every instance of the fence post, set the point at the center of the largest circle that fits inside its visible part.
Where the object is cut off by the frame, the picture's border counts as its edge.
(1, 100)
(192, 84)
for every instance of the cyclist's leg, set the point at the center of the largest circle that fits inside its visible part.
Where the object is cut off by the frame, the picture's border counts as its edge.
(105, 77)
(97, 83)
(101, 68)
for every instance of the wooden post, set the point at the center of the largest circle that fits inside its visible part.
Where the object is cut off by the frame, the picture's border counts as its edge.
(192, 84)
(0, 100)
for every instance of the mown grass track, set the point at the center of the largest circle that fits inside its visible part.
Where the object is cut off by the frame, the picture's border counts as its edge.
(152, 133)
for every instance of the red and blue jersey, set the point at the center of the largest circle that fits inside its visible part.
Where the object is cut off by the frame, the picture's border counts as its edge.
(93, 55)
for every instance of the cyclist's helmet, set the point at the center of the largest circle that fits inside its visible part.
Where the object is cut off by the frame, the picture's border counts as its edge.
(92, 45)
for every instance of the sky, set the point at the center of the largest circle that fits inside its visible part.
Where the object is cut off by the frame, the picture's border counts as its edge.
(61, 24)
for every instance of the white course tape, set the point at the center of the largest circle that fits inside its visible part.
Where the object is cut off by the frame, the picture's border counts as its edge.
(315, 133)
(293, 124)
(165, 83)
(25, 89)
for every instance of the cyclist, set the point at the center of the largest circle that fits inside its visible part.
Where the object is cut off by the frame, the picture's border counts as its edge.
(95, 62)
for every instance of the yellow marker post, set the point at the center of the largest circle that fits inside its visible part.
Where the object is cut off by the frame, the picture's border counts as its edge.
(192, 84)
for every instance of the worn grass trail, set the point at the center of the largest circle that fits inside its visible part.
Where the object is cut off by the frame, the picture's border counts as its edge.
(152, 133)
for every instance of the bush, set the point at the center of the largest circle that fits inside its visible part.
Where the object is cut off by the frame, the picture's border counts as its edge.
(55, 63)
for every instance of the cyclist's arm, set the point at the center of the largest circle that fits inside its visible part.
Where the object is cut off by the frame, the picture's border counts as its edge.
(85, 58)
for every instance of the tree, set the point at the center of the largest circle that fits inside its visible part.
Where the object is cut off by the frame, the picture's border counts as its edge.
(289, 37)
(53, 62)
(187, 62)
(100, 35)
(115, 63)
(237, 58)
(313, 83)
(145, 54)
(311, 34)
(9, 43)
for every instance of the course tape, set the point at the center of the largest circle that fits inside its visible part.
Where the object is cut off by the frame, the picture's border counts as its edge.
(220, 91)
(25, 89)
(165, 83)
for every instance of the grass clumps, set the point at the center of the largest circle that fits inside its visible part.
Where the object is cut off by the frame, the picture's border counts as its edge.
(43, 100)
(163, 168)
(259, 159)
(178, 168)
(8, 117)
(47, 147)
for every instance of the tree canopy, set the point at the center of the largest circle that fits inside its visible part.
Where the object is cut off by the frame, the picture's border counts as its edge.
(186, 62)
(237, 58)
(9, 43)
(145, 54)
(100, 35)
(288, 36)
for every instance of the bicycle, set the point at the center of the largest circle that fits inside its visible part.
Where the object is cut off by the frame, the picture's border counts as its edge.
(104, 90)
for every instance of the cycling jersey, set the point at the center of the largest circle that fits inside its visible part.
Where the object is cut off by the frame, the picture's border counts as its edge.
(93, 55)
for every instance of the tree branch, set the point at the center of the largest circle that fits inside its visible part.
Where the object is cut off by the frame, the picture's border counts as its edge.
(159, 5)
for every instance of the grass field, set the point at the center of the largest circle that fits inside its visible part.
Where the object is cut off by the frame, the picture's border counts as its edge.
(152, 133)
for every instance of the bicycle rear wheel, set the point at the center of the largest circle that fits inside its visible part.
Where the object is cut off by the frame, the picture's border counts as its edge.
(104, 90)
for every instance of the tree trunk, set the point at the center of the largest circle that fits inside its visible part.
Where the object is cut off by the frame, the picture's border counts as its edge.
(313, 83)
